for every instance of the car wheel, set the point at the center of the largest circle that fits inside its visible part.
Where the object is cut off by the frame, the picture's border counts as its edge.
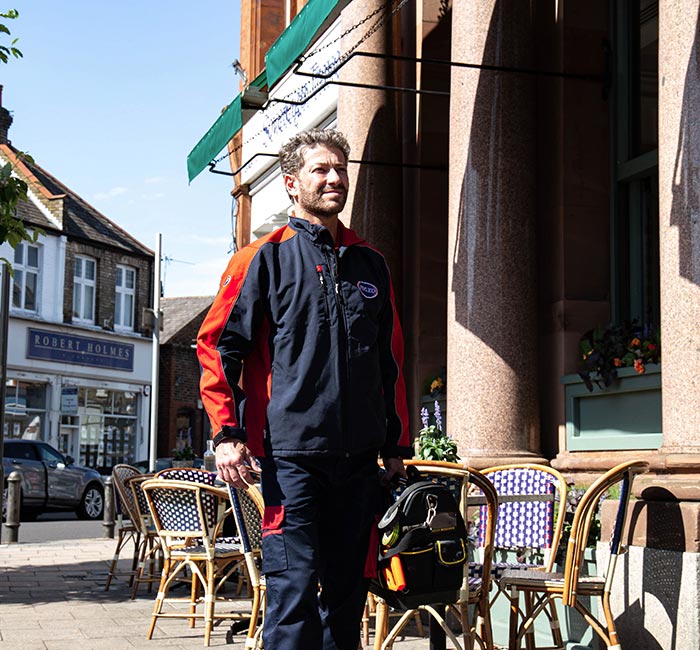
(92, 503)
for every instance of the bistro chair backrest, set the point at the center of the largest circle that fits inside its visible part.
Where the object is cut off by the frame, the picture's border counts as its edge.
(532, 500)
(125, 496)
(623, 475)
(193, 474)
(182, 509)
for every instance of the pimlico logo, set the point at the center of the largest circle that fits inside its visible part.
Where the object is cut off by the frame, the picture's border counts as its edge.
(367, 289)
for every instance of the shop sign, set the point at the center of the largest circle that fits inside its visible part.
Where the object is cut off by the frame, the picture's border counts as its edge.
(69, 400)
(81, 350)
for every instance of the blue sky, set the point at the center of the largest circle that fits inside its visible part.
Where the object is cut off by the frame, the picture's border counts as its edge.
(110, 97)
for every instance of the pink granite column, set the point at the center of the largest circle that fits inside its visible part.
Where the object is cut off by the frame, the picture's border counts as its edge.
(368, 117)
(492, 336)
(679, 227)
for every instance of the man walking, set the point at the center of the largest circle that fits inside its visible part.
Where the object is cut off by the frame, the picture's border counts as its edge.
(305, 319)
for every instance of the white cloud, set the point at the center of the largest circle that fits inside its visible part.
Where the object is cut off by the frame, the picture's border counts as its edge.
(154, 180)
(111, 193)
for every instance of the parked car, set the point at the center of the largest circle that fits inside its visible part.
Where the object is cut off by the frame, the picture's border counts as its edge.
(50, 480)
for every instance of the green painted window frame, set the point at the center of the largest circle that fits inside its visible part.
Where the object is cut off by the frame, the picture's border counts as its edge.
(634, 241)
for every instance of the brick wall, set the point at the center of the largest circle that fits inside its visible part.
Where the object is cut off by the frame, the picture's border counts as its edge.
(107, 261)
(179, 390)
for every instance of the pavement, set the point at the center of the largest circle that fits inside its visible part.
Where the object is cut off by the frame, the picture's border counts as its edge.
(52, 597)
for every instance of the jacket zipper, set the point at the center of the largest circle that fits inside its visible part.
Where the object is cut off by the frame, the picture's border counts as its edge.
(319, 270)
(343, 344)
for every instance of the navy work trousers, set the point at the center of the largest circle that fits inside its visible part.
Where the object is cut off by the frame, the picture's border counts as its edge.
(318, 516)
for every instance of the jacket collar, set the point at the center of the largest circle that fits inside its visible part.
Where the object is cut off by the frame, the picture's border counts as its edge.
(319, 234)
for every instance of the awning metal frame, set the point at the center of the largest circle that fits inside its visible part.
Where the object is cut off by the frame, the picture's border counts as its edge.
(396, 57)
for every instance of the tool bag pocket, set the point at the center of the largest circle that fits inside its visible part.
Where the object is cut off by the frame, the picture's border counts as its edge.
(423, 548)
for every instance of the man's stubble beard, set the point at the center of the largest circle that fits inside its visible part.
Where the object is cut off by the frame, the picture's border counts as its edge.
(314, 203)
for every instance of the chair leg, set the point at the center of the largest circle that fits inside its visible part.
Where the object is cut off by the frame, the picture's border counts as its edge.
(209, 597)
(160, 598)
(381, 623)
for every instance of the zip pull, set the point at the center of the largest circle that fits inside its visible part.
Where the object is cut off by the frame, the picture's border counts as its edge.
(319, 270)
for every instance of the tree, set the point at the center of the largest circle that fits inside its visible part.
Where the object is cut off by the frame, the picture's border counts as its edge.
(12, 189)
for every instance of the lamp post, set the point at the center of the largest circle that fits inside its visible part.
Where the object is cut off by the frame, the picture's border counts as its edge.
(153, 440)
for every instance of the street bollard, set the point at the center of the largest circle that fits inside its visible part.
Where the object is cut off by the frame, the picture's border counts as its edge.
(14, 499)
(108, 514)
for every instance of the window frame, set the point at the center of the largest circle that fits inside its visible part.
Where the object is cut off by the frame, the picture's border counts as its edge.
(22, 269)
(634, 209)
(80, 284)
(121, 293)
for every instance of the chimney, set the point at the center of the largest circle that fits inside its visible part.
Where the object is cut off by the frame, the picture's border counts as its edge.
(5, 121)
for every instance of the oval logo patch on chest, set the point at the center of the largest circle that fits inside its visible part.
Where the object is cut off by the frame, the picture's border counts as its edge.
(367, 289)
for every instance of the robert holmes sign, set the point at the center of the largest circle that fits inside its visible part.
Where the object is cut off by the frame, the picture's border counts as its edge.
(81, 350)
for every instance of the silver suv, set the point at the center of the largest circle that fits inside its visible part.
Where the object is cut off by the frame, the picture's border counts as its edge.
(51, 480)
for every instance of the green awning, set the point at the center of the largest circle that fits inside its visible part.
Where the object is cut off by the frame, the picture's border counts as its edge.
(310, 23)
(307, 26)
(215, 139)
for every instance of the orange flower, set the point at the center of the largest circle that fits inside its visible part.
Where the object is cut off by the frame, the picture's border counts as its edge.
(639, 366)
(635, 343)
(618, 362)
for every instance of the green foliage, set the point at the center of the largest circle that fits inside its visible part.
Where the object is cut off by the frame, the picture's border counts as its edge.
(433, 443)
(605, 349)
(6, 51)
(12, 189)
(184, 453)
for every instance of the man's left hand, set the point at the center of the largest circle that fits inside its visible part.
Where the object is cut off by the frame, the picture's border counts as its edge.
(393, 467)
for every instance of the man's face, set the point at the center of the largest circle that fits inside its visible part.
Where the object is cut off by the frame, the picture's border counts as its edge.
(320, 187)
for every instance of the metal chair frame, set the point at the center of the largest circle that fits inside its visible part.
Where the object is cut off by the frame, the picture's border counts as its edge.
(537, 494)
(544, 587)
(476, 628)
(124, 501)
(248, 509)
(182, 512)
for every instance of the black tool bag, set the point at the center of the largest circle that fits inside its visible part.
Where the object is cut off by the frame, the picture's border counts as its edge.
(423, 548)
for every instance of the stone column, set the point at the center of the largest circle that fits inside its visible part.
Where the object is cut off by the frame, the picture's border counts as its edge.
(679, 225)
(492, 331)
(368, 117)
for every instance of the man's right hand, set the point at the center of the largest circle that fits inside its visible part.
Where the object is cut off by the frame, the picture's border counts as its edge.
(234, 462)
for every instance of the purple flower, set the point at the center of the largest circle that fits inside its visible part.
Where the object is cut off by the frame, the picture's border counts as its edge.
(438, 415)
(424, 417)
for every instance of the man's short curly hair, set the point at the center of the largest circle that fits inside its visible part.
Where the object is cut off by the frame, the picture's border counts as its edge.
(292, 152)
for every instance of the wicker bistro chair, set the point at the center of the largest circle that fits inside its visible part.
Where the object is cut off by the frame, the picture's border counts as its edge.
(569, 585)
(474, 593)
(182, 512)
(150, 551)
(128, 531)
(248, 508)
(532, 500)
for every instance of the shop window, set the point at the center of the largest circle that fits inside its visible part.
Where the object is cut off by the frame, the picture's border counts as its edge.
(25, 282)
(25, 410)
(635, 224)
(84, 276)
(124, 298)
(108, 427)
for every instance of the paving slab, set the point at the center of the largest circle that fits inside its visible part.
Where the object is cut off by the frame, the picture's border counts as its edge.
(52, 597)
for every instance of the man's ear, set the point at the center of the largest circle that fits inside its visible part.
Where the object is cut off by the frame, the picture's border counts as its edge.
(290, 184)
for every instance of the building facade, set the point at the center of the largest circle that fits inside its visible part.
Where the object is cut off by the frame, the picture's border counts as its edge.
(181, 416)
(529, 171)
(78, 354)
